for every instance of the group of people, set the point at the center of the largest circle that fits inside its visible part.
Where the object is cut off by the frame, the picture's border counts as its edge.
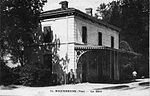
(71, 77)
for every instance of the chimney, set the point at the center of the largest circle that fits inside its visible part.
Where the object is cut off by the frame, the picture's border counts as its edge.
(64, 5)
(89, 11)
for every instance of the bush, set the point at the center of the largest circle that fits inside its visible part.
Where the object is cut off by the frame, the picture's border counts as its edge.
(7, 75)
(34, 75)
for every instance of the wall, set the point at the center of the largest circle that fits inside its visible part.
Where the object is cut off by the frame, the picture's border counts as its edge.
(92, 33)
(69, 30)
(63, 28)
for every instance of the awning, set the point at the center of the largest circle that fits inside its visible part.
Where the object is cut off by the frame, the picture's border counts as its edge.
(92, 47)
(89, 47)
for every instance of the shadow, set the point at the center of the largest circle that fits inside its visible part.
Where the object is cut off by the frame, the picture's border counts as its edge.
(147, 87)
(144, 84)
(129, 88)
(9, 87)
(113, 88)
(124, 82)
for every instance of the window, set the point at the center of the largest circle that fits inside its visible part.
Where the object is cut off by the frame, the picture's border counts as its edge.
(84, 34)
(99, 38)
(112, 41)
(48, 34)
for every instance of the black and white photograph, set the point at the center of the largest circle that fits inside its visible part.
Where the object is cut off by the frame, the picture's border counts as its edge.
(74, 48)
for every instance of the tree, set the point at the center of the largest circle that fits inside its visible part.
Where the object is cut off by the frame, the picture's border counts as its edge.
(6, 76)
(20, 19)
(132, 17)
(136, 29)
(18, 29)
(110, 12)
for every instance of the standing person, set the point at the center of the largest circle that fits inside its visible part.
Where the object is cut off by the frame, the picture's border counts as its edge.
(134, 74)
(71, 77)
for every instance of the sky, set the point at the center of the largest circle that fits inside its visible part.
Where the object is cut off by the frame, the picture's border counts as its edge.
(78, 4)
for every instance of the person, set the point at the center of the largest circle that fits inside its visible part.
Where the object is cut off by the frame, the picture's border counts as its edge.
(134, 73)
(71, 77)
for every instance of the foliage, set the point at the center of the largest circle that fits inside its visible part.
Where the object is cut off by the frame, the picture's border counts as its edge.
(59, 64)
(38, 74)
(6, 74)
(21, 37)
(18, 33)
(20, 19)
(109, 12)
(34, 75)
(132, 17)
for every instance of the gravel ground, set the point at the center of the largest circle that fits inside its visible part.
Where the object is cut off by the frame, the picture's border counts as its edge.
(139, 88)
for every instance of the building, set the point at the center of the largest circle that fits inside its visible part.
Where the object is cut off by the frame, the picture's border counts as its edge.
(90, 46)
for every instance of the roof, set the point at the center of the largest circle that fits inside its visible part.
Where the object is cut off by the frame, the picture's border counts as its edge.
(91, 47)
(72, 11)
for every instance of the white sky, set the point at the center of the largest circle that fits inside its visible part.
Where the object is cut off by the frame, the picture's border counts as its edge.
(78, 4)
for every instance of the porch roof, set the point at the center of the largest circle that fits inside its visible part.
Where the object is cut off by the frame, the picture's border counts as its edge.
(91, 47)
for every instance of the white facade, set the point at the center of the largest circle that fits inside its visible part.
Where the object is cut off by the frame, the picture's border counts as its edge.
(63, 28)
(69, 30)
(92, 33)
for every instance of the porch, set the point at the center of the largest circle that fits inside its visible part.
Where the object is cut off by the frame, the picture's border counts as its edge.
(99, 63)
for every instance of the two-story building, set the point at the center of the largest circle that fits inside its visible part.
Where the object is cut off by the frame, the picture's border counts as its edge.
(91, 46)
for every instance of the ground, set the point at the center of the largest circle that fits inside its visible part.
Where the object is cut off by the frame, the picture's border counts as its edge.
(139, 88)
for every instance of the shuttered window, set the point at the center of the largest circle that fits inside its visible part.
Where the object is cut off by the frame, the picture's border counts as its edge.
(48, 34)
(112, 42)
(84, 34)
(99, 38)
